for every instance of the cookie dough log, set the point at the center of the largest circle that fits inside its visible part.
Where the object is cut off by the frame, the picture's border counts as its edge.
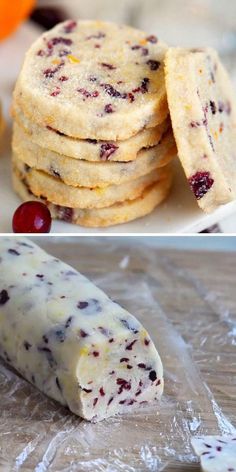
(68, 338)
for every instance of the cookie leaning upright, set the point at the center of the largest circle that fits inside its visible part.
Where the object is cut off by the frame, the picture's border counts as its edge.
(203, 113)
(94, 80)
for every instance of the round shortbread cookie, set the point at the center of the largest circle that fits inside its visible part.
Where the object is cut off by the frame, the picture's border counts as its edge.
(116, 214)
(54, 190)
(92, 174)
(94, 80)
(203, 113)
(90, 150)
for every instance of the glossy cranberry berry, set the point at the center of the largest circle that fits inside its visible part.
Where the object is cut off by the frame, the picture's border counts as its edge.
(32, 217)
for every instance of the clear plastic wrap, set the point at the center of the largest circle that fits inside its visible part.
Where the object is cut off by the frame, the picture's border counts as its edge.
(195, 335)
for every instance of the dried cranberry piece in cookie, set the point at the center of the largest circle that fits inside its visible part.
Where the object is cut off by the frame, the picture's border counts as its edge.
(87, 94)
(108, 66)
(64, 52)
(152, 39)
(216, 452)
(70, 26)
(154, 65)
(55, 92)
(4, 297)
(213, 107)
(49, 73)
(144, 51)
(55, 41)
(143, 87)
(200, 183)
(109, 108)
(65, 213)
(110, 90)
(63, 78)
(107, 150)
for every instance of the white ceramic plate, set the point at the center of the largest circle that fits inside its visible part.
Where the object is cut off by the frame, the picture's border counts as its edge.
(179, 214)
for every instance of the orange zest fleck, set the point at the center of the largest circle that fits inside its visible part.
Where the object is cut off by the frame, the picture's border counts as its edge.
(73, 59)
(221, 127)
(56, 61)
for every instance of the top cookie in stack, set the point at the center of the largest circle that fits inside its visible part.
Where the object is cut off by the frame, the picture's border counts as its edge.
(92, 135)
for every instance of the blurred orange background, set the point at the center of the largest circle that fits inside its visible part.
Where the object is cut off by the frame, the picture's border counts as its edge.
(12, 13)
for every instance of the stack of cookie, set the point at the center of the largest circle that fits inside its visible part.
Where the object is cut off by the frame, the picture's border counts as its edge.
(92, 136)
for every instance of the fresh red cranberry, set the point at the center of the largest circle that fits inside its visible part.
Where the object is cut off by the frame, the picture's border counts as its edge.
(32, 217)
(48, 16)
(200, 183)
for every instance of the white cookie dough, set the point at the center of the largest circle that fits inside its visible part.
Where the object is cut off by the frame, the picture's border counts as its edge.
(217, 453)
(64, 335)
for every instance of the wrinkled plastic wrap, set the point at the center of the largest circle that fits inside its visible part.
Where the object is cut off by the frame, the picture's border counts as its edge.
(195, 336)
